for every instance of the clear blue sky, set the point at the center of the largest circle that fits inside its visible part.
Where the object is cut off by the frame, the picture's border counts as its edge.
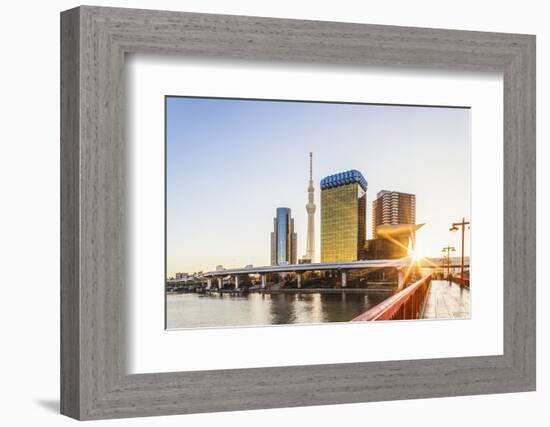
(231, 163)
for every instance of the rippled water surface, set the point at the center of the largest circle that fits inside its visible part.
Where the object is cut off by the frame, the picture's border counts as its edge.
(255, 309)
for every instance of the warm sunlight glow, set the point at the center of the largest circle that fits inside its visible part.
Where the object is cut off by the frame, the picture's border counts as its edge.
(415, 254)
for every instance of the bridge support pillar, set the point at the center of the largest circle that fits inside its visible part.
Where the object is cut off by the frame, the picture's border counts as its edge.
(208, 284)
(344, 279)
(236, 283)
(263, 280)
(299, 280)
(220, 283)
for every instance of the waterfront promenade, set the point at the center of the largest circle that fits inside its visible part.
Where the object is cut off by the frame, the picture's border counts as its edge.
(446, 301)
(424, 299)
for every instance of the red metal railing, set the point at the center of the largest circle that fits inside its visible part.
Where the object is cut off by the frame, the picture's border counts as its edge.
(404, 305)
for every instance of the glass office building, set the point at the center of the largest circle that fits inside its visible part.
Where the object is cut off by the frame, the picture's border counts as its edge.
(343, 216)
(283, 238)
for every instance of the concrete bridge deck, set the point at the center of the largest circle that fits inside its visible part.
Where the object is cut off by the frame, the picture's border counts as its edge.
(447, 301)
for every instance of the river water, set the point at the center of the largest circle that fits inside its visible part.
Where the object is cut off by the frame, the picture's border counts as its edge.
(190, 310)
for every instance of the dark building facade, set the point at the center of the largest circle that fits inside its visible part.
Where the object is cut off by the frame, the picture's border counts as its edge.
(380, 248)
(283, 238)
(393, 241)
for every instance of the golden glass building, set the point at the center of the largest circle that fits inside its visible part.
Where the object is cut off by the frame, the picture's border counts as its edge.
(343, 216)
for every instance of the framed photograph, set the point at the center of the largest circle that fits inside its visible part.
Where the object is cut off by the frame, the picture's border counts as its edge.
(232, 253)
(262, 213)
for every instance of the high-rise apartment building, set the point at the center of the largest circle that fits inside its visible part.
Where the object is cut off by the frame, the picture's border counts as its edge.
(343, 216)
(391, 208)
(283, 238)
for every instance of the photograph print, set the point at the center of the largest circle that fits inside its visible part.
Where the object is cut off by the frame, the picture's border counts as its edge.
(282, 212)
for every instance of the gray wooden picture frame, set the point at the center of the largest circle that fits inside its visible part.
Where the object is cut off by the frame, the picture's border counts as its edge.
(94, 382)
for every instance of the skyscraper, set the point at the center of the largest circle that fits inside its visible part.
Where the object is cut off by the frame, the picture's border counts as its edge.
(310, 209)
(391, 208)
(283, 238)
(343, 216)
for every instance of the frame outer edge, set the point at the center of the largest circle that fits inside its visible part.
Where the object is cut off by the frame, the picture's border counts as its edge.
(87, 346)
(532, 138)
(520, 216)
(526, 77)
(70, 396)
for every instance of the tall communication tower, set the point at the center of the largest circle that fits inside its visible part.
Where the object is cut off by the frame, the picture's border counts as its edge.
(310, 209)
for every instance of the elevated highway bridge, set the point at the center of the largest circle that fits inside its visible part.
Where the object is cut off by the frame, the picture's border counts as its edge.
(401, 265)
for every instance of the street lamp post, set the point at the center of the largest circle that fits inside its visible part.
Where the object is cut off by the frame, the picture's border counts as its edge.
(462, 224)
(448, 249)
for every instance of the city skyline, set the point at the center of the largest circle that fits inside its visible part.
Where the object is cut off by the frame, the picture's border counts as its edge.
(249, 156)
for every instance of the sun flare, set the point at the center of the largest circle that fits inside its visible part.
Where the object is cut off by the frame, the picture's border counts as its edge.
(415, 255)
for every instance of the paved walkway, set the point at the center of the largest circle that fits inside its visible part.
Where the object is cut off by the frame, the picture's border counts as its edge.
(447, 301)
